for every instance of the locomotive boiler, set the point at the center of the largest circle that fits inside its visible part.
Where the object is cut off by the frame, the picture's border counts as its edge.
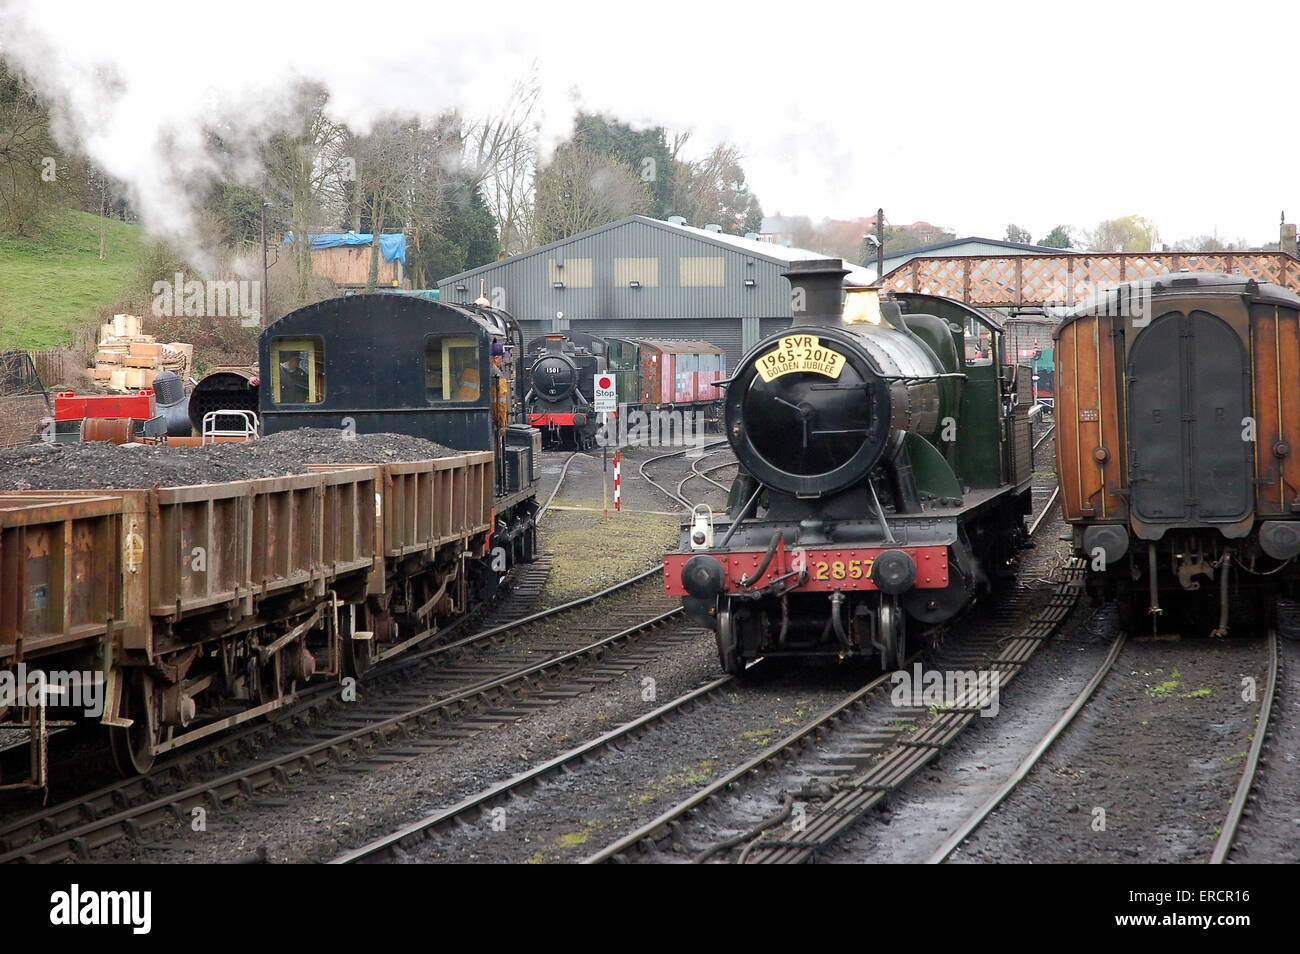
(883, 478)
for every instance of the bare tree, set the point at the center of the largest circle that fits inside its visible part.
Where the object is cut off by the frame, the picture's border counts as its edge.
(579, 189)
(309, 166)
(29, 179)
(501, 156)
(713, 190)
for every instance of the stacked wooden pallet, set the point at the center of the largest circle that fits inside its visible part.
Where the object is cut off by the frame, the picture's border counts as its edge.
(127, 359)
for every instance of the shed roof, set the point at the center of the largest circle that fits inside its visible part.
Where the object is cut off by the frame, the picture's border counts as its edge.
(764, 251)
(970, 239)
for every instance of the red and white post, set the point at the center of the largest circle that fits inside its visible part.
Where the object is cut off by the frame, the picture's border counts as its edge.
(618, 480)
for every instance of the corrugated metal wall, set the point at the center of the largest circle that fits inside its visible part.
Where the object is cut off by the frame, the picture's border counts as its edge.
(680, 285)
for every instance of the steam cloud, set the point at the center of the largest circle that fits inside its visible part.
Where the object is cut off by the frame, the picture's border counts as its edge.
(140, 96)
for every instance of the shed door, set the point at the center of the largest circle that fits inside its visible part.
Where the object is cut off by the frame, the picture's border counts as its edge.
(1188, 394)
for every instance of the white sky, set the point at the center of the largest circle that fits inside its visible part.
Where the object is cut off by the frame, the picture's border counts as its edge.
(968, 115)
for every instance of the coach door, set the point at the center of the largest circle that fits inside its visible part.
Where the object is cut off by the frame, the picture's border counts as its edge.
(1188, 395)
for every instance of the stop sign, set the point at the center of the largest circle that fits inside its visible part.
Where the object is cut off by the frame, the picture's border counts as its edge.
(604, 399)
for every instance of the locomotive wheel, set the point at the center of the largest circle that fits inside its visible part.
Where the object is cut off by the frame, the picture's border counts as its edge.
(893, 634)
(132, 747)
(728, 643)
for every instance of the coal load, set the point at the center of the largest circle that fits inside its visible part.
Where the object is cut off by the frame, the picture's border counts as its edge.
(100, 466)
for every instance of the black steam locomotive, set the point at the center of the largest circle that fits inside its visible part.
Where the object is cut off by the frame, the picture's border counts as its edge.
(561, 371)
(884, 478)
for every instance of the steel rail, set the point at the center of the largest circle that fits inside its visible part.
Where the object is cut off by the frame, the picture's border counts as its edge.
(703, 474)
(1027, 764)
(660, 487)
(1047, 508)
(661, 824)
(418, 831)
(556, 489)
(1237, 807)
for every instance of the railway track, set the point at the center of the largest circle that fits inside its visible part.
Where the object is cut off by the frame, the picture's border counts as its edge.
(466, 693)
(1237, 808)
(394, 846)
(564, 472)
(704, 474)
(676, 495)
(977, 818)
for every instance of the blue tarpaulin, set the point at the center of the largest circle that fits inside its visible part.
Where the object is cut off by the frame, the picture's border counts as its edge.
(392, 247)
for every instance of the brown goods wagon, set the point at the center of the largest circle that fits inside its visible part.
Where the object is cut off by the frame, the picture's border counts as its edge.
(134, 582)
(71, 571)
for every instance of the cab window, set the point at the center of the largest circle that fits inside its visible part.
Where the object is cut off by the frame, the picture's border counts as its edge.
(297, 370)
(979, 343)
(451, 368)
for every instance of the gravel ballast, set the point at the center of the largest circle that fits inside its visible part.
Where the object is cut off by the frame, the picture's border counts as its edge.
(102, 466)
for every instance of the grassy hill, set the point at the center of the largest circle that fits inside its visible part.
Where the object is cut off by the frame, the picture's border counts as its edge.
(54, 283)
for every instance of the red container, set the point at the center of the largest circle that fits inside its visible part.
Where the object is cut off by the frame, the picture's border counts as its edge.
(70, 406)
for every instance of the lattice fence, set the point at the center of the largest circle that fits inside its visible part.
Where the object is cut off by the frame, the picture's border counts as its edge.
(1062, 280)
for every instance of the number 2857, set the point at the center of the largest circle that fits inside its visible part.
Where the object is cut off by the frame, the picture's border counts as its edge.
(841, 569)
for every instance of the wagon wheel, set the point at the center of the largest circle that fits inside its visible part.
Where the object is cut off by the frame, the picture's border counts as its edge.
(270, 686)
(357, 656)
(132, 747)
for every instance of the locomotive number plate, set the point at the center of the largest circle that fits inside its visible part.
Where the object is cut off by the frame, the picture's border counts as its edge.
(800, 353)
(841, 569)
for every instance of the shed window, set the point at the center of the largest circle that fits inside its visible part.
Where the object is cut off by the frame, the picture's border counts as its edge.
(297, 370)
(707, 272)
(451, 368)
(642, 270)
(574, 272)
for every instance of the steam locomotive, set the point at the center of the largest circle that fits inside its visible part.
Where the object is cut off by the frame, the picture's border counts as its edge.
(561, 375)
(648, 374)
(883, 483)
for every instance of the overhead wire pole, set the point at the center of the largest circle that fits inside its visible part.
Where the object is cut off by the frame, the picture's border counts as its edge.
(880, 247)
(262, 303)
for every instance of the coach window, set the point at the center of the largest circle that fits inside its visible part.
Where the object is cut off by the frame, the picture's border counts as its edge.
(297, 370)
(451, 368)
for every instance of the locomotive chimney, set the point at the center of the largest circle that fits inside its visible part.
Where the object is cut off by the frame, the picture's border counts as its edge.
(817, 291)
